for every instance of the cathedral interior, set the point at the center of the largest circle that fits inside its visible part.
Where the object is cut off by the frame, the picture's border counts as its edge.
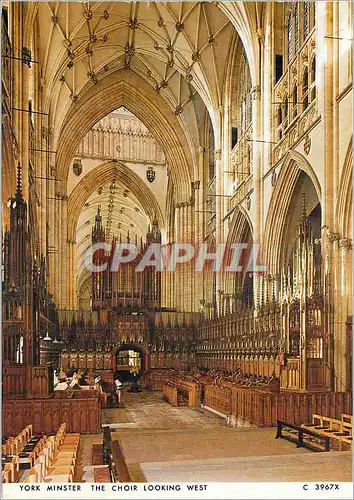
(151, 124)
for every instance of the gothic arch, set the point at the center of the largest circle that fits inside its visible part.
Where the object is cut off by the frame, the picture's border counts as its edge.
(134, 346)
(240, 231)
(345, 197)
(106, 172)
(126, 88)
(239, 224)
(243, 20)
(291, 168)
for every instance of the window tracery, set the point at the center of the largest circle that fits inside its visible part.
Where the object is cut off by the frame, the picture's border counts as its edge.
(305, 88)
(306, 18)
(299, 21)
(313, 78)
(289, 31)
(296, 28)
(295, 101)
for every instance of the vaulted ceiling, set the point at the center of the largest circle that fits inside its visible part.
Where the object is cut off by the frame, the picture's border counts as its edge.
(180, 51)
(179, 47)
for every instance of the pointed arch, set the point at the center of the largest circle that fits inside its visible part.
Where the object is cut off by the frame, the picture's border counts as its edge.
(240, 231)
(106, 172)
(344, 208)
(290, 170)
(240, 222)
(126, 88)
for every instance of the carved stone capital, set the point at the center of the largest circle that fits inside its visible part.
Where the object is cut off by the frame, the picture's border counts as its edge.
(195, 185)
(345, 243)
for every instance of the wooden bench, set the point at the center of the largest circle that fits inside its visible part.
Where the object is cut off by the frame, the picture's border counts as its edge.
(340, 431)
(347, 418)
(301, 432)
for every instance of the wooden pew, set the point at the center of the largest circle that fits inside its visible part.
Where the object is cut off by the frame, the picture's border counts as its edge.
(301, 432)
(339, 431)
(347, 418)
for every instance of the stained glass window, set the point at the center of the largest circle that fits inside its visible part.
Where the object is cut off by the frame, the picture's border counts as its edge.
(305, 88)
(295, 101)
(290, 36)
(313, 14)
(313, 78)
(306, 18)
(296, 27)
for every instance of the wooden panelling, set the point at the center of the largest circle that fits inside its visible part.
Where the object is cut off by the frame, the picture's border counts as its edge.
(14, 380)
(80, 415)
(81, 360)
(21, 380)
(263, 408)
(218, 398)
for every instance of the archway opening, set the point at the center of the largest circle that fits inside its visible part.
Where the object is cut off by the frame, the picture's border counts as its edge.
(130, 362)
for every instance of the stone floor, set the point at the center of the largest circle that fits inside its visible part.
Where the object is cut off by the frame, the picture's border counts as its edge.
(147, 410)
(164, 443)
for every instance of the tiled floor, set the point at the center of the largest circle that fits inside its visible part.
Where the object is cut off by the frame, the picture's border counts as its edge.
(164, 443)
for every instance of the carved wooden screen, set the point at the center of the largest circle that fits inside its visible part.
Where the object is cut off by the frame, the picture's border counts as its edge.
(294, 329)
(316, 346)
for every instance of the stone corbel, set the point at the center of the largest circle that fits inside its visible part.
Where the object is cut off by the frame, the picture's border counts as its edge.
(260, 35)
(256, 92)
(333, 237)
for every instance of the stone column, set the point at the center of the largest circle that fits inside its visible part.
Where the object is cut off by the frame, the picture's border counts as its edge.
(328, 118)
(219, 207)
(64, 253)
(342, 311)
(74, 304)
(197, 281)
(51, 228)
(20, 94)
(257, 178)
(43, 194)
(24, 143)
(176, 295)
(59, 269)
(181, 270)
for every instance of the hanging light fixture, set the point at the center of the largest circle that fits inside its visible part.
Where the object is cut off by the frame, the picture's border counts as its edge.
(47, 337)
